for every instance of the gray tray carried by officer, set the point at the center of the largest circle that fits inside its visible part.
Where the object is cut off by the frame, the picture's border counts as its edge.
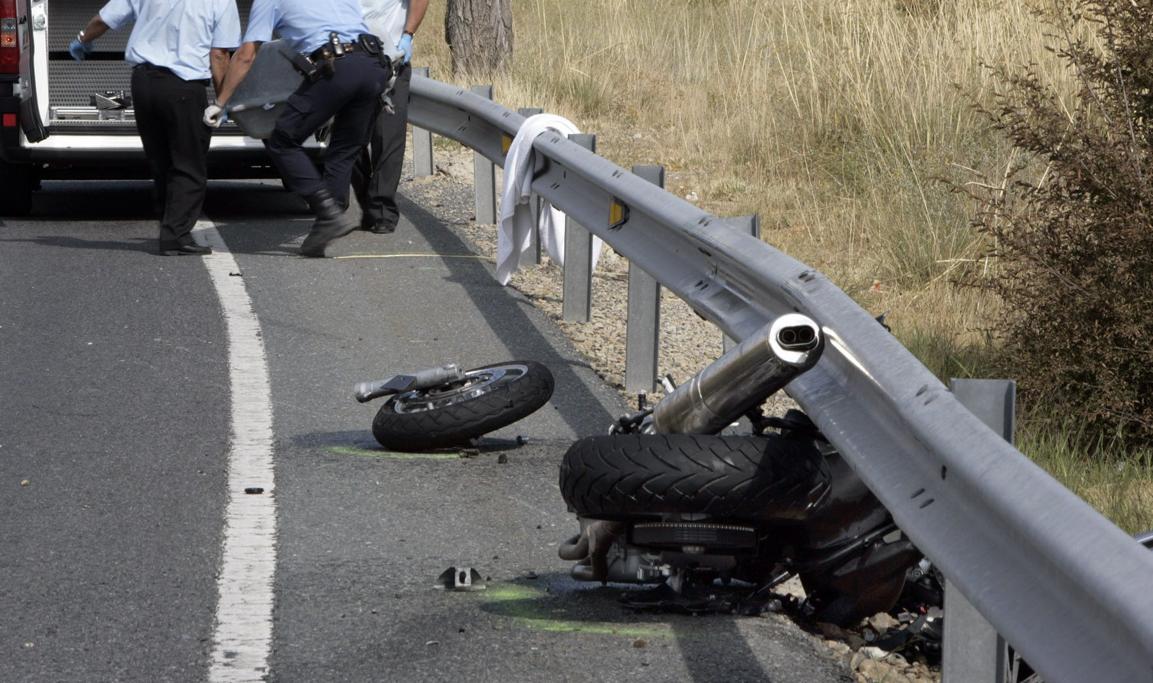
(259, 99)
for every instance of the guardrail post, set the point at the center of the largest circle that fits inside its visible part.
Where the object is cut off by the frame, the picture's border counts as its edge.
(421, 141)
(973, 652)
(484, 183)
(642, 333)
(752, 225)
(535, 201)
(578, 256)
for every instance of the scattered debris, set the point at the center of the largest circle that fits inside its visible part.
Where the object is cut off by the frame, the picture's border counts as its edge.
(884, 647)
(640, 643)
(25, 482)
(460, 579)
(502, 459)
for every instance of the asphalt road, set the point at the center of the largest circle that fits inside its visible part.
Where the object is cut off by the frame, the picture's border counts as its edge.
(115, 413)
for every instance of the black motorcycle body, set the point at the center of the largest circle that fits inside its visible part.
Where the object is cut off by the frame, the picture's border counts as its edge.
(688, 510)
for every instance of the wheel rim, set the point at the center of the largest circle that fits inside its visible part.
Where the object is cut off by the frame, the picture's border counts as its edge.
(476, 383)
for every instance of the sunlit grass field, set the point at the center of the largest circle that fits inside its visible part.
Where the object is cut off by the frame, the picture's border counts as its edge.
(845, 124)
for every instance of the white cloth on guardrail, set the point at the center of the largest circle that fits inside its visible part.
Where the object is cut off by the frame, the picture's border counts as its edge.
(514, 234)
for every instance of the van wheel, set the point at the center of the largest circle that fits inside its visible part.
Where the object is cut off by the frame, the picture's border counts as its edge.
(16, 185)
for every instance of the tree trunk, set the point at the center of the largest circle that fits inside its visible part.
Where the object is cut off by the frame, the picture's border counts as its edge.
(479, 33)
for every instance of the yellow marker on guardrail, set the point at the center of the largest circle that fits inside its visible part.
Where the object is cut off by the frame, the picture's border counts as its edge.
(618, 214)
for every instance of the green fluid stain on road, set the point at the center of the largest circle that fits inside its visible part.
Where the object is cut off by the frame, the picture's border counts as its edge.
(391, 455)
(530, 608)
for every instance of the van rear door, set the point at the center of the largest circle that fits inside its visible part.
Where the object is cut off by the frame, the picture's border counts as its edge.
(31, 21)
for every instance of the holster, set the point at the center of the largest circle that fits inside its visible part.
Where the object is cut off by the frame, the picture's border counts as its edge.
(372, 45)
(311, 70)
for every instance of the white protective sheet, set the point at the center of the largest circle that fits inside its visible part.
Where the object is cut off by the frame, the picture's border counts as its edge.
(514, 234)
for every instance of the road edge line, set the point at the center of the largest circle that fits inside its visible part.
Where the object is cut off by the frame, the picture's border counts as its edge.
(242, 635)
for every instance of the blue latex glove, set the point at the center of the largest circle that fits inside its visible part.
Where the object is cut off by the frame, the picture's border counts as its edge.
(79, 50)
(405, 46)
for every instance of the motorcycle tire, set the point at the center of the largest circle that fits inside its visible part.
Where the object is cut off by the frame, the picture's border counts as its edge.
(489, 398)
(632, 476)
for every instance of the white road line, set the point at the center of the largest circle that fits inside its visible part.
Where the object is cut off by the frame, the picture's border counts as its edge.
(243, 637)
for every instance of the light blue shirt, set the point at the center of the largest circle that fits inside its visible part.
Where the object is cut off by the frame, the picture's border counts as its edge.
(305, 24)
(176, 34)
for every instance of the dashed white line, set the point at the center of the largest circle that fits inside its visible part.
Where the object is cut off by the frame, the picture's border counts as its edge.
(242, 639)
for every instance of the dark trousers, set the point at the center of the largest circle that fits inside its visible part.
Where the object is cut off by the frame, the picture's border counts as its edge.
(352, 96)
(169, 113)
(377, 172)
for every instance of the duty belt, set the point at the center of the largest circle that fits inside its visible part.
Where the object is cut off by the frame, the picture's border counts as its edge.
(321, 63)
(332, 51)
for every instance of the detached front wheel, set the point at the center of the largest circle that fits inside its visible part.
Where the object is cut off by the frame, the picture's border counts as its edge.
(451, 414)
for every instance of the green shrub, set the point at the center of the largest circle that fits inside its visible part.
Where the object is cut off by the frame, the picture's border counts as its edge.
(1074, 241)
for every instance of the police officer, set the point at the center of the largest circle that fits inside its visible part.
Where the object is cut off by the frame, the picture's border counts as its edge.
(175, 47)
(376, 174)
(345, 76)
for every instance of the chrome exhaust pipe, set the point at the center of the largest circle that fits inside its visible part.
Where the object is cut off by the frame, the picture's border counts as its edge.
(742, 378)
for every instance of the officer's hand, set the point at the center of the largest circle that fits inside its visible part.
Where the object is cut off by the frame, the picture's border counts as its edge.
(405, 46)
(79, 49)
(214, 116)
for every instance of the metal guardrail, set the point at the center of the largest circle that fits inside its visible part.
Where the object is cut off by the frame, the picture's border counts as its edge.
(1067, 588)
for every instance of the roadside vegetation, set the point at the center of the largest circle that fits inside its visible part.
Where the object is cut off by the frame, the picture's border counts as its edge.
(849, 126)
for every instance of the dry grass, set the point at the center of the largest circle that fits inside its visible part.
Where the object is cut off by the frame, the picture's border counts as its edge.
(1120, 487)
(835, 120)
(838, 121)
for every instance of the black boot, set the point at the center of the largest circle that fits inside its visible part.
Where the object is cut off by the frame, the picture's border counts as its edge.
(331, 223)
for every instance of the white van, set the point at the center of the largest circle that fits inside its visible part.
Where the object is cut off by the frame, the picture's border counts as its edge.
(62, 119)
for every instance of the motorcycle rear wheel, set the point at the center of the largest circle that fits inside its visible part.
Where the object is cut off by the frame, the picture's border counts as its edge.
(635, 476)
(489, 398)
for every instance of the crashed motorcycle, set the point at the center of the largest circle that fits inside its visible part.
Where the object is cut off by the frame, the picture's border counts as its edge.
(665, 499)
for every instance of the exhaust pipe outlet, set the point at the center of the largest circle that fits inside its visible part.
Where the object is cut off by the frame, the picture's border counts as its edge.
(742, 378)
